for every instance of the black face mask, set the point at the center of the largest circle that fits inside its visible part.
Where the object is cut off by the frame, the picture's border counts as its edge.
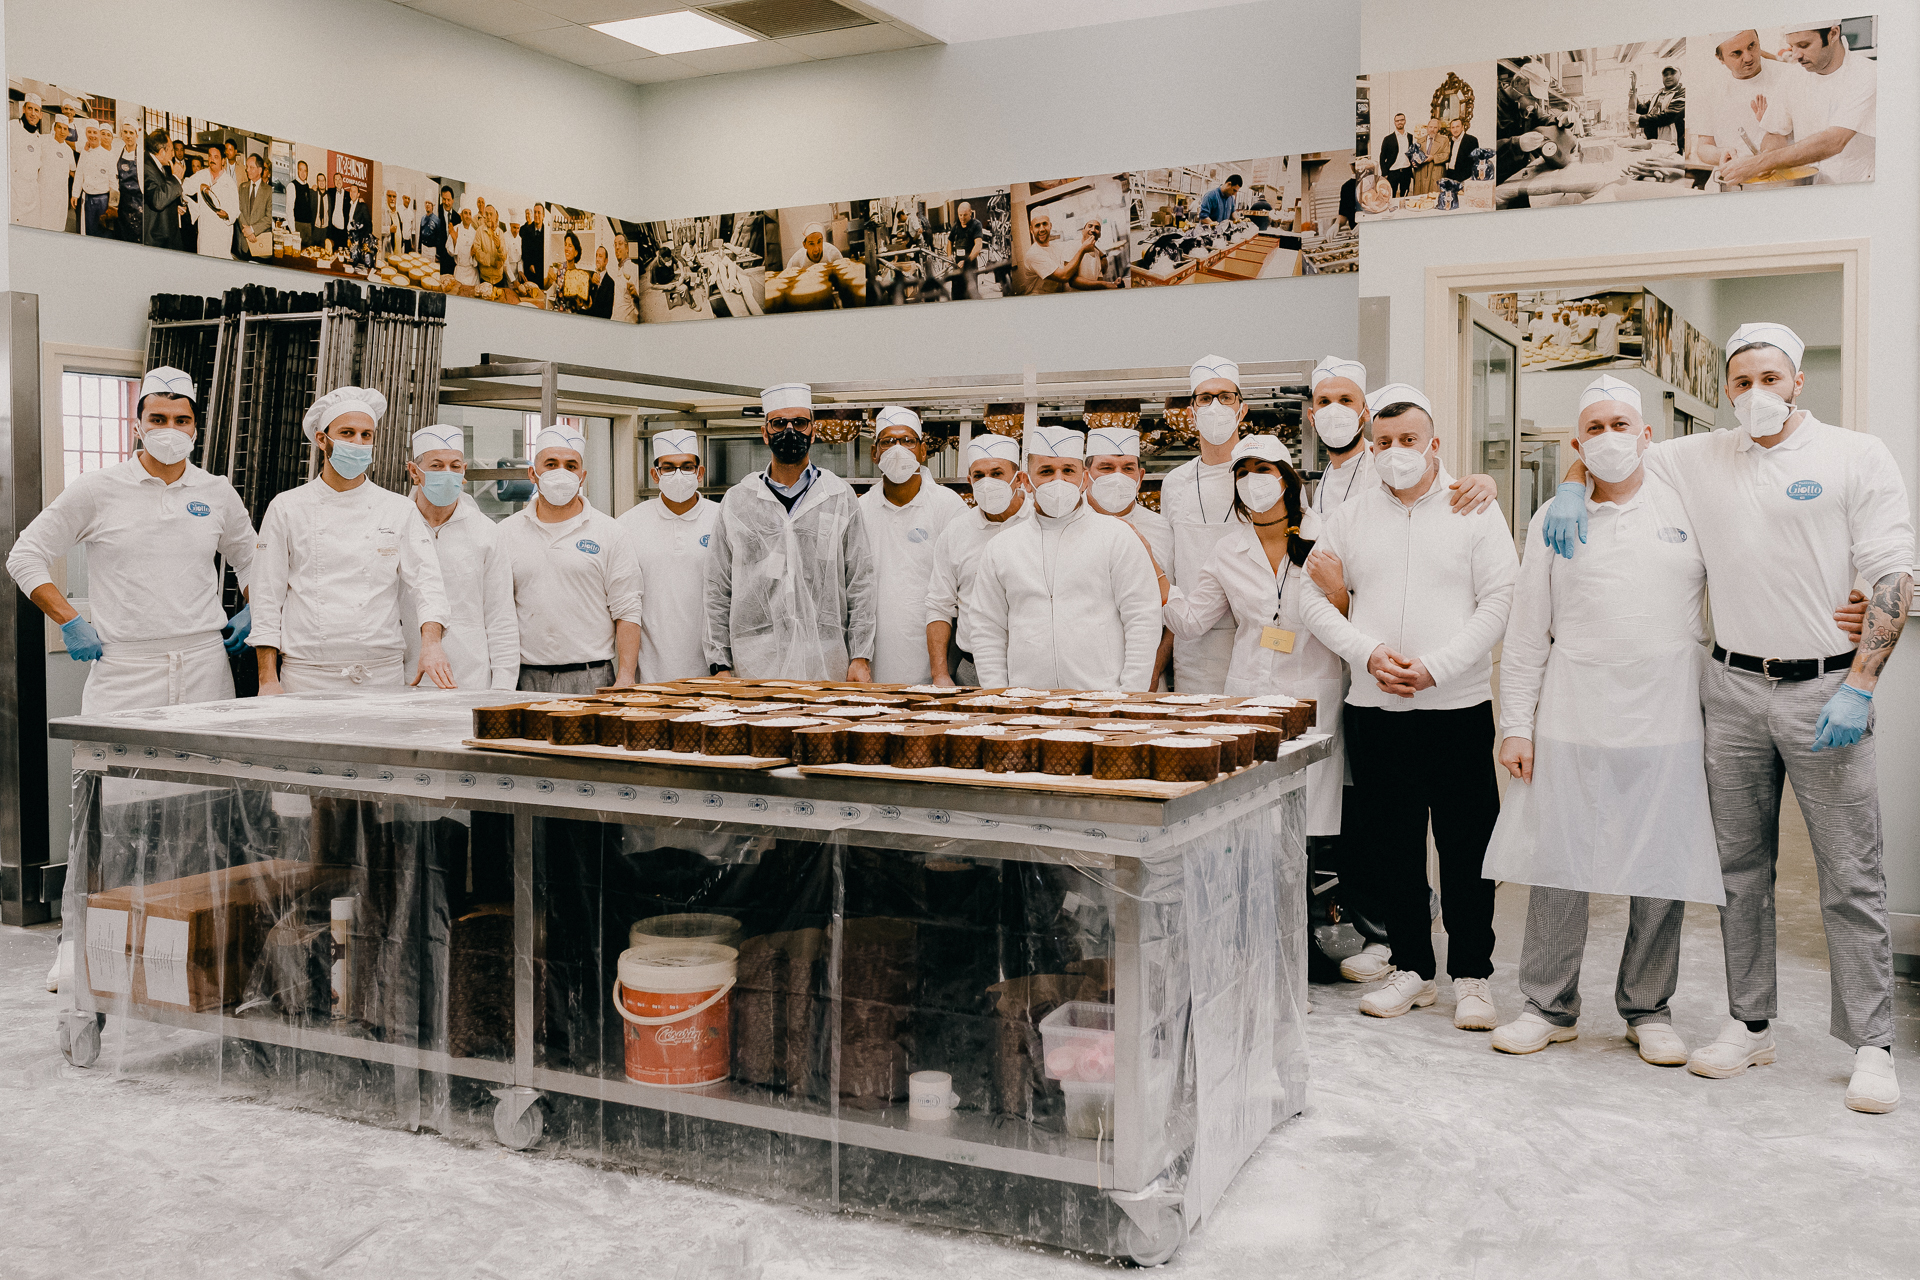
(790, 445)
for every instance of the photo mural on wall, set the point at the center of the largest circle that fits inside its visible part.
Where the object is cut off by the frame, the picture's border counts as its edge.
(1749, 110)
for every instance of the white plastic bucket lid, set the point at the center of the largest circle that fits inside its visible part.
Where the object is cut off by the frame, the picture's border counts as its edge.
(673, 968)
(691, 926)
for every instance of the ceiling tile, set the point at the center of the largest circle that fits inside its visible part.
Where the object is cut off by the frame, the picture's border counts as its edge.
(494, 17)
(650, 71)
(578, 44)
(589, 11)
(741, 57)
(854, 40)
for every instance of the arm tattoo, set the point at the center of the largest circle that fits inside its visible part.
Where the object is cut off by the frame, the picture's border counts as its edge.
(1886, 616)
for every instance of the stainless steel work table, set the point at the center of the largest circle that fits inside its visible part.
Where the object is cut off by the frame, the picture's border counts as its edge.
(1186, 915)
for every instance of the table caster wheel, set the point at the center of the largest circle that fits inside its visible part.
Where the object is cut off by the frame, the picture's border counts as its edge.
(78, 1035)
(1149, 1246)
(519, 1118)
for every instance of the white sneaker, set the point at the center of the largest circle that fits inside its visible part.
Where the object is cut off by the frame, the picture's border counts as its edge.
(1660, 1044)
(1732, 1052)
(1873, 1088)
(1403, 991)
(1529, 1033)
(1369, 964)
(1473, 1005)
(62, 969)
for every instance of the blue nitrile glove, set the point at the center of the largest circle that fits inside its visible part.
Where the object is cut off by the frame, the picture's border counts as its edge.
(83, 642)
(241, 625)
(1566, 516)
(1844, 718)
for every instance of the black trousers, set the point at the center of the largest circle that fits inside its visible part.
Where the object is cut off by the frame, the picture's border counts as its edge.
(1409, 766)
(1400, 181)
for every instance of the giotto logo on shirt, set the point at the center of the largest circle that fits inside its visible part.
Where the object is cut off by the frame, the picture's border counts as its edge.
(1804, 490)
(587, 545)
(705, 538)
(199, 509)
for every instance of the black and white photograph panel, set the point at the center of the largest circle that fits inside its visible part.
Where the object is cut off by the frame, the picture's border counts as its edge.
(1069, 235)
(1594, 126)
(707, 268)
(76, 161)
(1772, 107)
(943, 246)
(1210, 222)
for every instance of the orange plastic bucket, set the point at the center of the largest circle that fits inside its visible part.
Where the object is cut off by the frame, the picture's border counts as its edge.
(673, 999)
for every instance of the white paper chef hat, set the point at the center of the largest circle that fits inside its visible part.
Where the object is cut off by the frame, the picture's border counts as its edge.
(787, 395)
(1209, 367)
(439, 436)
(167, 381)
(898, 416)
(1339, 367)
(1776, 335)
(560, 436)
(993, 446)
(666, 442)
(343, 400)
(1397, 393)
(1719, 38)
(814, 229)
(1606, 387)
(33, 100)
(1055, 442)
(1272, 448)
(61, 120)
(1122, 440)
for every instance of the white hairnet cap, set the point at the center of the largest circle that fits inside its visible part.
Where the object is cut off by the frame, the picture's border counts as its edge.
(560, 436)
(666, 442)
(1606, 387)
(1209, 367)
(1339, 367)
(167, 381)
(993, 446)
(788, 395)
(341, 401)
(897, 416)
(439, 436)
(1397, 393)
(1767, 331)
(1123, 440)
(1272, 448)
(1055, 442)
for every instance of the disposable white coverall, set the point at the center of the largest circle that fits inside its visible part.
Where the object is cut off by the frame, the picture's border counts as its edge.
(1197, 500)
(482, 643)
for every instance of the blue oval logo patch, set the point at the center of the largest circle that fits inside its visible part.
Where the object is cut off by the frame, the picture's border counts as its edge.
(1804, 490)
(588, 545)
(917, 535)
(706, 539)
(199, 509)
(1671, 534)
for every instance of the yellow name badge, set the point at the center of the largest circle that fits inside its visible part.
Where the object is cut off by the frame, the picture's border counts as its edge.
(1277, 639)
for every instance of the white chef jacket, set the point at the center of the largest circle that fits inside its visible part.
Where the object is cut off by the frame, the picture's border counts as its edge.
(1722, 112)
(460, 243)
(215, 233)
(673, 552)
(482, 642)
(410, 223)
(625, 309)
(328, 572)
(56, 183)
(26, 151)
(829, 252)
(96, 171)
(903, 555)
(956, 560)
(1847, 98)
(1197, 500)
(1158, 532)
(1601, 670)
(572, 581)
(1237, 582)
(1785, 530)
(150, 549)
(1337, 484)
(1426, 583)
(1067, 603)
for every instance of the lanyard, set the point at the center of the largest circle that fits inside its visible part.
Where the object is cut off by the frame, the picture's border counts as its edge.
(1280, 597)
(1320, 496)
(1200, 497)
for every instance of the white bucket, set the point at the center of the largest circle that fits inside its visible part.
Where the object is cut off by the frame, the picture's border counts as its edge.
(692, 926)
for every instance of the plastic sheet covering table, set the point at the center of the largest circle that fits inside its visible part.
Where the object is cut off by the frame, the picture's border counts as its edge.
(338, 907)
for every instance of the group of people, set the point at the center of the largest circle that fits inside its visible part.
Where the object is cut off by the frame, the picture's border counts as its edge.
(1381, 593)
(1812, 102)
(71, 172)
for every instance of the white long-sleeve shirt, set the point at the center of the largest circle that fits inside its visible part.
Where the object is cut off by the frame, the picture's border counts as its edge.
(1238, 582)
(1426, 583)
(482, 642)
(328, 572)
(673, 552)
(1157, 530)
(1070, 603)
(572, 580)
(956, 560)
(903, 540)
(1337, 484)
(203, 190)
(150, 549)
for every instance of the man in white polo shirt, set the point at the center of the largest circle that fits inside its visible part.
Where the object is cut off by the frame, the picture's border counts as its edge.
(482, 642)
(904, 514)
(1430, 595)
(1113, 463)
(672, 538)
(1827, 117)
(576, 584)
(1000, 501)
(1789, 510)
(1739, 103)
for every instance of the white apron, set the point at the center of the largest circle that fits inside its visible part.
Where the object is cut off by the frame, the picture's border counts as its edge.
(1200, 666)
(158, 673)
(329, 677)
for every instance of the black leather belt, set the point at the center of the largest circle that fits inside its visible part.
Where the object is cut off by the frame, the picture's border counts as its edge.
(564, 668)
(1784, 668)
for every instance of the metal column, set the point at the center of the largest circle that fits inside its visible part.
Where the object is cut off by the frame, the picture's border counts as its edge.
(23, 698)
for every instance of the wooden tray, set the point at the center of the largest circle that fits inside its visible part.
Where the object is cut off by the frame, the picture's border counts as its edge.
(1075, 784)
(531, 746)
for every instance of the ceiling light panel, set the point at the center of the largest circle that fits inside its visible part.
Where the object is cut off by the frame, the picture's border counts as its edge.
(682, 32)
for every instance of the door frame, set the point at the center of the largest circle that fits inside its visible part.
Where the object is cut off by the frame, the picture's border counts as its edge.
(1445, 284)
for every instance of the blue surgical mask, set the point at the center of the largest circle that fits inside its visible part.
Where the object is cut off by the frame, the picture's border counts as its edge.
(442, 487)
(349, 460)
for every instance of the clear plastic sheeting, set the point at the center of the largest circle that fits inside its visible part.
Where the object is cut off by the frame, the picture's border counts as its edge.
(938, 1021)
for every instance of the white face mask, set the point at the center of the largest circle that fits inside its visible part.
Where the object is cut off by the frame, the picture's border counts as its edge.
(1058, 497)
(1216, 423)
(559, 486)
(1761, 412)
(1336, 425)
(1400, 467)
(1114, 492)
(167, 445)
(678, 486)
(992, 496)
(1259, 491)
(898, 464)
(1612, 456)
